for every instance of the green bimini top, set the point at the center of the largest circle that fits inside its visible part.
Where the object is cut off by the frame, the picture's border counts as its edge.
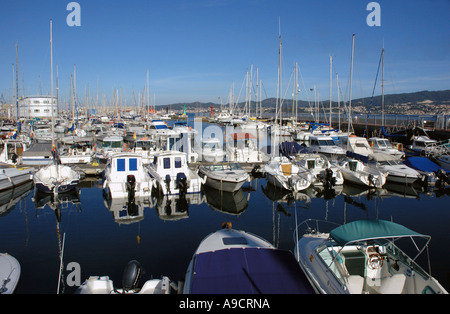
(362, 230)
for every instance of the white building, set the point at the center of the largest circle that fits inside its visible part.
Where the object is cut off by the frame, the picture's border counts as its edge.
(38, 107)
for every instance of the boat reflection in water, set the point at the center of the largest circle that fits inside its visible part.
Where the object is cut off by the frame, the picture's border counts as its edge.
(57, 202)
(276, 194)
(9, 198)
(176, 207)
(233, 203)
(125, 210)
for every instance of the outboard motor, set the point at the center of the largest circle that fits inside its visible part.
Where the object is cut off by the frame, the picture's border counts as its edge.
(132, 275)
(131, 185)
(182, 183)
(371, 179)
(442, 178)
(167, 180)
(330, 181)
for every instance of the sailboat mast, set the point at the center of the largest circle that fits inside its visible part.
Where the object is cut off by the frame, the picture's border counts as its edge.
(351, 78)
(278, 102)
(51, 83)
(331, 84)
(382, 88)
(17, 81)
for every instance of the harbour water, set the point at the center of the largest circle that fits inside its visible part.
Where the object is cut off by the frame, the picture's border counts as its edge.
(102, 237)
(165, 236)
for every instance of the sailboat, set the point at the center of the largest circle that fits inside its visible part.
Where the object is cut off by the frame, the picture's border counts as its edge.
(55, 178)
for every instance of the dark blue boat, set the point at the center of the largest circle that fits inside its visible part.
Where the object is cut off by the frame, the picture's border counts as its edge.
(237, 262)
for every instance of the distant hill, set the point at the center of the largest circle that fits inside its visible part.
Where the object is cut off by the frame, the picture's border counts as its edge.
(391, 101)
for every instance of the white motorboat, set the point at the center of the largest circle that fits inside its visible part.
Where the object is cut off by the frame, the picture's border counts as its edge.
(443, 161)
(357, 172)
(39, 154)
(324, 173)
(363, 257)
(212, 150)
(424, 146)
(324, 144)
(144, 147)
(242, 147)
(126, 177)
(9, 273)
(382, 145)
(110, 145)
(224, 177)
(283, 173)
(11, 177)
(397, 171)
(231, 261)
(76, 150)
(132, 276)
(171, 175)
(10, 150)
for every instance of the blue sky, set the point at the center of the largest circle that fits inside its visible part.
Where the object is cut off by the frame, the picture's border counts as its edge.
(195, 49)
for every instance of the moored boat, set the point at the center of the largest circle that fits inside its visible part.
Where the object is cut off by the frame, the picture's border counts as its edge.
(56, 179)
(355, 171)
(9, 273)
(285, 174)
(126, 177)
(171, 175)
(363, 257)
(132, 276)
(224, 177)
(238, 262)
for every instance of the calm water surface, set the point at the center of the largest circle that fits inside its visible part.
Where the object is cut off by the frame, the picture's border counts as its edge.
(166, 234)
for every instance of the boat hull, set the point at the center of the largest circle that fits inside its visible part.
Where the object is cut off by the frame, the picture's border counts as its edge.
(56, 179)
(9, 273)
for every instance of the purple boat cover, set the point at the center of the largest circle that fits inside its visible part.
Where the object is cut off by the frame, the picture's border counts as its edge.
(248, 271)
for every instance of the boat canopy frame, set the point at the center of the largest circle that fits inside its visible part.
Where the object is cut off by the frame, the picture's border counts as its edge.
(367, 230)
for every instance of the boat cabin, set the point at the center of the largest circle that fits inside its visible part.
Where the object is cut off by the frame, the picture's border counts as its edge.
(170, 163)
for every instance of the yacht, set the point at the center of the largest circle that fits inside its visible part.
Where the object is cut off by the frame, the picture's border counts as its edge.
(224, 177)
(242, 147)
(171, 175)
(283, 173)
(363, 257)
(355, 171)
(126, 177)
(324, 173)
(325, 145)
(382, 145)
(231, 261)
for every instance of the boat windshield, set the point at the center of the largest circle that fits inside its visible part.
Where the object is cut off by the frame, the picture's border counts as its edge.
(329, 142)
(112, 144)
(383, 144)
(145, 145)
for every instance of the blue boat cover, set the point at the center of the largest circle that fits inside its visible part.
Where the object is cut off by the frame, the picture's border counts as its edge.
(423, 164)
(362, 230)
(248, 271)
(288, 149)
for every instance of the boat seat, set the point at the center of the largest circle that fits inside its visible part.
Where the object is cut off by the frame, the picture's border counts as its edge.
(355, 284)
(389, 285)
(287, 169)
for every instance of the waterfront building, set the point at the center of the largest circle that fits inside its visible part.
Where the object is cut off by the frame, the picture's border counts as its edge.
(38, 107)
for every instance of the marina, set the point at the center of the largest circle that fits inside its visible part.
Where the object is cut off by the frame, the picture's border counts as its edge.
(137, 191)
(162, 230)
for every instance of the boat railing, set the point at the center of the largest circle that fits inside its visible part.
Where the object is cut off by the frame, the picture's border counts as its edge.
(314, 226)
